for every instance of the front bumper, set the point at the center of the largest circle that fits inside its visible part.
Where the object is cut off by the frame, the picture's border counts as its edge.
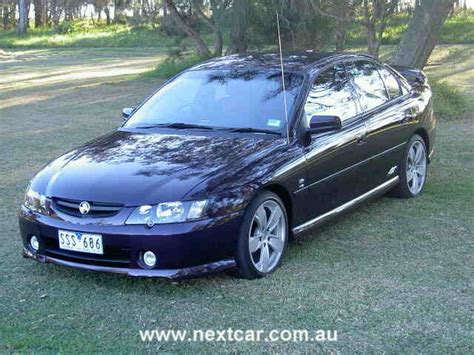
(182, 249)
(194, 271)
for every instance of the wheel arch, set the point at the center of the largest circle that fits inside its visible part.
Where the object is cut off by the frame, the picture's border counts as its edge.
(285, 196)
(426, 138)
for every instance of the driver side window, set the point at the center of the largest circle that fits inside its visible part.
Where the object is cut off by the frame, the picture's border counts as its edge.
(331, 94)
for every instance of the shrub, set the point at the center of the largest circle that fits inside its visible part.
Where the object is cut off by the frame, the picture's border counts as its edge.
(173, 64)
(65, 27)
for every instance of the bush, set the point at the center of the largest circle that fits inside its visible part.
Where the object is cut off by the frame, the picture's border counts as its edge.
(65, 27)
(448, 101)
(173, 64)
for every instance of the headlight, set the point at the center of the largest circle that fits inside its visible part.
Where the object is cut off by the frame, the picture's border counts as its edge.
(36, 202)
(168, 212)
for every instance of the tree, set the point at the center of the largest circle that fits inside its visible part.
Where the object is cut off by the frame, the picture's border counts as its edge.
(201, 47)
(40, 12)
(214, 22)
(301, 26)
(22, 24)
(239, 18)
(7, 10)
(55, 11)
(375, 16)
(422, 33)
(341, 12)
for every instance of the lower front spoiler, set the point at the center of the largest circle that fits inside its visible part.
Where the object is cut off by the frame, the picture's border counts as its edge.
(174, 274)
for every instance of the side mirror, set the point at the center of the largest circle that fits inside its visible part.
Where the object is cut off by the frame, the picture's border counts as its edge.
(127, 112)
(320, 124)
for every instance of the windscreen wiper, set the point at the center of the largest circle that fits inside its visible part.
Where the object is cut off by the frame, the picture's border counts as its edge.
(177, 125)
(254, 130)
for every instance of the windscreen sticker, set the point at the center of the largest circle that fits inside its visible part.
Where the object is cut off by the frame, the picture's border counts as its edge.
(273, 123)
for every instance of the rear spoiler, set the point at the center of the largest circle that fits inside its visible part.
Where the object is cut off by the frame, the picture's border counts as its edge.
(414, 76)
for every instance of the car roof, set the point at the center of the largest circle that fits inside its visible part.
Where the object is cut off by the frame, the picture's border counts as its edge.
(303, 61)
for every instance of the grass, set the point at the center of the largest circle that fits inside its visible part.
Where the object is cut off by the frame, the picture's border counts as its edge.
(448, 101)
(393, 276)
(84, 34)
(458, 29)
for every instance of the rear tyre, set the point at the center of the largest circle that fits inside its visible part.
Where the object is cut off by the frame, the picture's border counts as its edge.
(413, 169)
(263, 237)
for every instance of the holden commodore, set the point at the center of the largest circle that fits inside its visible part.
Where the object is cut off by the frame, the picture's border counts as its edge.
(227, 161)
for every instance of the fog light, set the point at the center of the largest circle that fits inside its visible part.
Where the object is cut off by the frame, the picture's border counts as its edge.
(34, 243)
(149, 258)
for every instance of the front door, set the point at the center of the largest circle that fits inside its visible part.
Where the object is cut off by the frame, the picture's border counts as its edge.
(337, 166)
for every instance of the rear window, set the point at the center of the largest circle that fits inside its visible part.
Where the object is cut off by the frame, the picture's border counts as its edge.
(391, 83)
(368, 84)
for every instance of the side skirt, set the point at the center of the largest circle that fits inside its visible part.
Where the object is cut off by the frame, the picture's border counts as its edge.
(339, 210)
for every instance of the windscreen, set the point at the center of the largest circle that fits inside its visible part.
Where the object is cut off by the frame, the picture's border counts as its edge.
(221, 99)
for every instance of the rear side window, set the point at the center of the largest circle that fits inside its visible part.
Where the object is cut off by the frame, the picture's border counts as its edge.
(368, 84)
(331, 94)
(391, 83)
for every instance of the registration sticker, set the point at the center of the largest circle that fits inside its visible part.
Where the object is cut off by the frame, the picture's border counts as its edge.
(273, 123)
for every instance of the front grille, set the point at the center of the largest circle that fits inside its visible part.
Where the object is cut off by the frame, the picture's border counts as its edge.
(97, 209)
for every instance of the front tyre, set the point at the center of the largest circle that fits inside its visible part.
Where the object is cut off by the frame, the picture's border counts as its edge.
(413, 169)
(263, 236)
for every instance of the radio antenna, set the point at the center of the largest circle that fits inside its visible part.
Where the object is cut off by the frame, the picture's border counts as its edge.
(283, 79)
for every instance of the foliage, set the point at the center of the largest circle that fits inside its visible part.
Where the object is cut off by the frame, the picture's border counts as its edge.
(448, 101)
(65, 27)
(172, 65)
(301, 28)
(459, 28)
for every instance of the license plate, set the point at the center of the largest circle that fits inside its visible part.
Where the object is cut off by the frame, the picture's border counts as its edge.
(83, 242)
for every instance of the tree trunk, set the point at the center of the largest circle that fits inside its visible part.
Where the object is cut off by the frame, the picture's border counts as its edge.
(8, 13)
(40, 12)
(22, 17)
(28, 14)
(422, 33)
(5, 17)
(107, 14)
(55, 14)
(219, 42)
(373, 44)
(239, 22)
(219, 45)
(118, 11)
(376, 14)
(201, 47)
(239, 42)
(340, 36)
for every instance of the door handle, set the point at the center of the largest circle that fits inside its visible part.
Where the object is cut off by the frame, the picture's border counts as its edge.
(361, 138)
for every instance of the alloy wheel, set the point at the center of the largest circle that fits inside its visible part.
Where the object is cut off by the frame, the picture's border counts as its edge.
(416, 167)
(267, 236)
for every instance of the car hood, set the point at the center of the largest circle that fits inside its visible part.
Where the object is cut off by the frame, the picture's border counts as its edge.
(134, 168)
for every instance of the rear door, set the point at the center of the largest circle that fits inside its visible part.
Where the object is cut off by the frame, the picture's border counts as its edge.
(383, 114)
